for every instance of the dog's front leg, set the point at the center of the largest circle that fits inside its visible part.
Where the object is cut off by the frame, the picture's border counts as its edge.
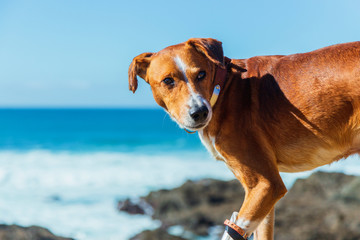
(263, 188)
(265, 230)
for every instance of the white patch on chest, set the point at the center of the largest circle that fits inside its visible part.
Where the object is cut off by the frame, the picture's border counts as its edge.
(209, 143)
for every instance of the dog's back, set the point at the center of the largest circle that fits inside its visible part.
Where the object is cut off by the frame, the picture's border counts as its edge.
(309, 101)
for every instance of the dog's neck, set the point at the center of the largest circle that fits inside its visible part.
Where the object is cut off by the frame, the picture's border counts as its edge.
(219, 81)
(223, 108)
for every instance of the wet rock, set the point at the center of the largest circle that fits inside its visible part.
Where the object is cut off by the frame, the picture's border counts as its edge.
(197, 205)
(323, 206)
(130, 207)
(14, 232)
(350, 193)
(135, 206)
(157, 234)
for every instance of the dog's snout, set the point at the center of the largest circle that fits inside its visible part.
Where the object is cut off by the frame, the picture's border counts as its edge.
(199, 114)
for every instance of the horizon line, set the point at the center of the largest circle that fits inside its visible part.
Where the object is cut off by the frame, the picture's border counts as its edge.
(81, 107)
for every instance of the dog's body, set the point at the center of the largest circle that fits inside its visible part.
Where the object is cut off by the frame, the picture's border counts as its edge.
(277, 113)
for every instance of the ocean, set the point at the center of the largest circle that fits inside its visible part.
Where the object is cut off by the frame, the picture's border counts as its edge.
(66, 169)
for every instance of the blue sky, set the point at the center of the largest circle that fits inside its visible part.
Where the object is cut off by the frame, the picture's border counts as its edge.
(76, 53)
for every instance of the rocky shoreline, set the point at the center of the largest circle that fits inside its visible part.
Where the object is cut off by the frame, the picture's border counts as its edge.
(323, 206)
(15, 232)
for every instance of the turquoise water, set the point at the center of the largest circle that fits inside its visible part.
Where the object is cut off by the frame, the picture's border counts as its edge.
(83, 130)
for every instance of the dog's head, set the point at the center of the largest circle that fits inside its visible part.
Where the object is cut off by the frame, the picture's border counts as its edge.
(181, 79)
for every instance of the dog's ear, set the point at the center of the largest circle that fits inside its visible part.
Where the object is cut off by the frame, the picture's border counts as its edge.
(211, 48)
(138, 67)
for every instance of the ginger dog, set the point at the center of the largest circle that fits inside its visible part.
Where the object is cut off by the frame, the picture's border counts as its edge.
(261, 116)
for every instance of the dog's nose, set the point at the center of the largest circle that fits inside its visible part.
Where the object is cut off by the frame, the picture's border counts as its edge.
(199, 114)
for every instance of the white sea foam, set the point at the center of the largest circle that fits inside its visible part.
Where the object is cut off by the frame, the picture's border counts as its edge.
(75, 194)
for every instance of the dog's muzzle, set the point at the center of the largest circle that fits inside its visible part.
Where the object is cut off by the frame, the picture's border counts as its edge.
(199, 114)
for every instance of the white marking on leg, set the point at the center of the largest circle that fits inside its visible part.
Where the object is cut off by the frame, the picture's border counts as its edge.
(226, 236)
(247, 225)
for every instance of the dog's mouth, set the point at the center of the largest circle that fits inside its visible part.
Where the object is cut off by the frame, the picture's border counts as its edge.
(189, 124)
(192, 127)
(196, 127)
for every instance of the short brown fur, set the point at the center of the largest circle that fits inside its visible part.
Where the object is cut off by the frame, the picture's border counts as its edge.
(285, 113)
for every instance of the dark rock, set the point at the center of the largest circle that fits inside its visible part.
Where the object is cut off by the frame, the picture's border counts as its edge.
(14, 232)
(197, 205)
(157, 234)
(350, 193)
(323, 206)
(130, 207)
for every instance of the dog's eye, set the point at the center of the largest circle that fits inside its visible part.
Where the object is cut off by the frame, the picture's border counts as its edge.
(169, 81)
(201, 75)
